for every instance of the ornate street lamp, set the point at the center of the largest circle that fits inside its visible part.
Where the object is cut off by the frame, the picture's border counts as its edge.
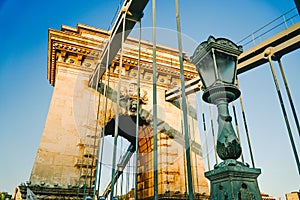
(216, 60)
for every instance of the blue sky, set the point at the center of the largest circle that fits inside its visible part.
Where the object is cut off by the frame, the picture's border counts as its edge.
(26, 93)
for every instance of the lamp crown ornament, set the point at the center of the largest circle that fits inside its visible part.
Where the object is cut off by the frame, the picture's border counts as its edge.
(219, 43)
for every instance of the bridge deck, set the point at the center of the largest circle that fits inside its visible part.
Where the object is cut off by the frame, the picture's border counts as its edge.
(134, 11)
(281, 44)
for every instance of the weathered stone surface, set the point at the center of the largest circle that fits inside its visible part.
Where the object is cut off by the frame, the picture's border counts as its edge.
(70, 127)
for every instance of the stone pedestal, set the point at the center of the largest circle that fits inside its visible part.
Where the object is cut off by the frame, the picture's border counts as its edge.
(233, 180)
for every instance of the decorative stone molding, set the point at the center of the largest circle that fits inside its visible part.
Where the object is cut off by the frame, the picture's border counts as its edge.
(76, 46)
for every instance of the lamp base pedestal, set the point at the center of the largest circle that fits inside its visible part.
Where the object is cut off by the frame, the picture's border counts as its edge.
(233, 180)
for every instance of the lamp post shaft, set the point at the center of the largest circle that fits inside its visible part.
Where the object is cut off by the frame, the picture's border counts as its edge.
(228, 146)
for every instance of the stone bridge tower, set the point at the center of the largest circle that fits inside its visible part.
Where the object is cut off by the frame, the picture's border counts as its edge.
(64, 158)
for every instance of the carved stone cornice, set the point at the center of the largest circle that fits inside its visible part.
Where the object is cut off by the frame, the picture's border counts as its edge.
(166, 76)
(66, 42)
(81, 48)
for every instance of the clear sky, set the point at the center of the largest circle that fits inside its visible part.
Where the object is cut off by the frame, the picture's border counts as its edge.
(26, 93)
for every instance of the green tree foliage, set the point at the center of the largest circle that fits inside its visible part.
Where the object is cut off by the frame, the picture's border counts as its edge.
(4, 195)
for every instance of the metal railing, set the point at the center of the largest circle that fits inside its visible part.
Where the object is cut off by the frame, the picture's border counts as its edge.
(275, 26)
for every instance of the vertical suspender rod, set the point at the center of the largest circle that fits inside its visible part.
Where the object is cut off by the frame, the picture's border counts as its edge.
(289, 96)
(138, 112)
(94, 147)
(204, 130)
(246, 126)
(155, 160)
(184, 109)
(284, 114)
(117, 113)
(213, 133)
(237, 128)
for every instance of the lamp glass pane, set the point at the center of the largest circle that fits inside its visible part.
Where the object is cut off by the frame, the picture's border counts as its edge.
(207, 71)
(226, 67)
